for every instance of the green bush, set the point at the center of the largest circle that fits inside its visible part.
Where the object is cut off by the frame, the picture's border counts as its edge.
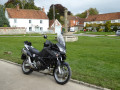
(5, 26)
(115, 28)
(97, 29)
(101, 30)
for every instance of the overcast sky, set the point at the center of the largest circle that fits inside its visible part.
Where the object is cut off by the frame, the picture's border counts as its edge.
(79, 6)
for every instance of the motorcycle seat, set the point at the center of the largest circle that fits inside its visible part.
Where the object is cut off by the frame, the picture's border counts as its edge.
(33, 50)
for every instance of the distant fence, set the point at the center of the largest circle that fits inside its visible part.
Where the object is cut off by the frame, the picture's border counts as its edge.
(12, 30)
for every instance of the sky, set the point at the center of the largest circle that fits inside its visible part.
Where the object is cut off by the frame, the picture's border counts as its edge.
(79, 6)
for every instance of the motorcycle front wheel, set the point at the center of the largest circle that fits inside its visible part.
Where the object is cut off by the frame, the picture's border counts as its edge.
(64, 76)
(26, 67)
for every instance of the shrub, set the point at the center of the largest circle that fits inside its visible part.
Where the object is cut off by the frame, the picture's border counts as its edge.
(97, 29)
(5, 26)
(100, 30)
(115, 28)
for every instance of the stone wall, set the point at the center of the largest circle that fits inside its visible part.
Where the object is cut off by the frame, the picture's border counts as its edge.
(70, 38)
(12, 30)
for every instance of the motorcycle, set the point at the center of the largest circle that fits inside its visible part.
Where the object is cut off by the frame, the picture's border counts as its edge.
(52, 57)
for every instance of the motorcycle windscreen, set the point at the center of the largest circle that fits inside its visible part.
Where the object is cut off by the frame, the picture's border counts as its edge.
(61, 40)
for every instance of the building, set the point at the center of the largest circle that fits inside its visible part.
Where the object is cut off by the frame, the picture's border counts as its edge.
(102, 18)
(58, 26)
(75, 23)
(32, 20)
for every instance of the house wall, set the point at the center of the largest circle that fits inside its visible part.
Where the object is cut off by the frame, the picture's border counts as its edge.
(102, 22)
(58, 27)
(73, 23)
(35, 24)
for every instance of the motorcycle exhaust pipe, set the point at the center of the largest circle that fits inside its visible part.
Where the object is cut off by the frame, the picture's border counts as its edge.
(30, 63)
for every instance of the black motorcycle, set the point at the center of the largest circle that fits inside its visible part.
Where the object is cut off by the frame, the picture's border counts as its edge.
(51, 57)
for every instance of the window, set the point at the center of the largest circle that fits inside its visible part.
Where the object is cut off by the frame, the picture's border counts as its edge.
(15, 20)
(40, 21)
(30, 28)
(41, 28)
(104, 22)
(113, 21)
(98, 22)
(74, 21)
(29, 21)
(119, 20)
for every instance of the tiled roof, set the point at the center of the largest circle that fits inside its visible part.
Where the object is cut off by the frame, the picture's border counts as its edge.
(26, 13)
(80, 20)
(51, 22)
(103, 17)
(73, 17)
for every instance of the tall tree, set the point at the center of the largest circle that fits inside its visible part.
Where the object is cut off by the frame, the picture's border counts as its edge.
(59, 12)
(24, 4)
(60, 9)
(108, 26)
(3, 20)
(12, 3)
(92, 11)
(50, 14)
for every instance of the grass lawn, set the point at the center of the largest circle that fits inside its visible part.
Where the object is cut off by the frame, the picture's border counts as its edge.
(93, 60)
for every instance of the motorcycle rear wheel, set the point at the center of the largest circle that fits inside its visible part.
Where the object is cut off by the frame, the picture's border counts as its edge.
(26, 68)
(65, 76)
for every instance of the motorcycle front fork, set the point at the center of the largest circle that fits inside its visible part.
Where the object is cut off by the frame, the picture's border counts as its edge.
(59, 64)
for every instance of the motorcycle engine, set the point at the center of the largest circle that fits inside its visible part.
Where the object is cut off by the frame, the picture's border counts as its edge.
(38, 64)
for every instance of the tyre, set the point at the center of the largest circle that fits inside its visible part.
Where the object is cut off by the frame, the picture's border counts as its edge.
(26, 68)
(65, 75)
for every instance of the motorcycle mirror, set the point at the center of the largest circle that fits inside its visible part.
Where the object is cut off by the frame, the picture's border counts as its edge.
(45, 36)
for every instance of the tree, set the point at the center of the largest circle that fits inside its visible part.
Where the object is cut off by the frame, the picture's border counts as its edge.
(3, 21)
(31, 6)
(24, 4)
(59, 12)
(50, 14)
(60, 9)
(92, 11)
(12, 3)
(108, 26)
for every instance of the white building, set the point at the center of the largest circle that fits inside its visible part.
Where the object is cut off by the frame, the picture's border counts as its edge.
(32, 20)
(58, 26)
(102, 18)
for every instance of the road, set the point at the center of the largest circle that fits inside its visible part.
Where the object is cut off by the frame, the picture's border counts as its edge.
(89, 35)
(12, 78)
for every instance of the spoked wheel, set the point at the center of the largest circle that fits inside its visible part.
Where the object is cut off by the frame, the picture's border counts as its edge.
(64, 76)
(26, 67)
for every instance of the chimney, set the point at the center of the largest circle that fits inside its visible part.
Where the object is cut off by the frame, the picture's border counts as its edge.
(18, 7)
(43, 9)
(87, 13)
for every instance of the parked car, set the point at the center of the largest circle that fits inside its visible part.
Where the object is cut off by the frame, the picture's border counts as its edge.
(118, 32)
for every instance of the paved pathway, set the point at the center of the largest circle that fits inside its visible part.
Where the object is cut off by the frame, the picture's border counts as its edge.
(90, 35)
(12, 78)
